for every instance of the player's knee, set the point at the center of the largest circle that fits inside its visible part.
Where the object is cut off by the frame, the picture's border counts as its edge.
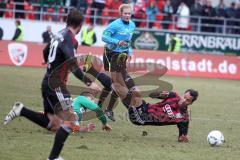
(53, 128)
(54, 123)
(119, 89)
(136, 93)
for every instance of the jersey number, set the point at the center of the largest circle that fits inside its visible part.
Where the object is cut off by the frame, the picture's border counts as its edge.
(53, 51)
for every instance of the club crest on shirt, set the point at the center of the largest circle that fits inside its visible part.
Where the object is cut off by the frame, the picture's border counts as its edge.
(17, 53)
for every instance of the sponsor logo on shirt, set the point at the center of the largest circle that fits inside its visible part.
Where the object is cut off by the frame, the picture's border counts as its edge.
(168, 110)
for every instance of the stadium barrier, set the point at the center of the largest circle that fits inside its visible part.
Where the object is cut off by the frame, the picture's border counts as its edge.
(190, 42)
(146, 39)
(38, 12)
(187, 65)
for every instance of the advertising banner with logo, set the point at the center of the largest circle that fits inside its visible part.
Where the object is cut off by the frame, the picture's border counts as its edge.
(213, 44)
(21, 54)
(189, 65)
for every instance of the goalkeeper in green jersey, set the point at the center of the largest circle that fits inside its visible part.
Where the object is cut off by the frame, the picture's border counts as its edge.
(81, 104)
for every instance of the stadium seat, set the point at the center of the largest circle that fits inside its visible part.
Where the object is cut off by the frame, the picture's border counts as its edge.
(88, 13)
(49, 15)
(158, 19)
(28, 8)
(9, 14)
(61, 11)
(105, 14)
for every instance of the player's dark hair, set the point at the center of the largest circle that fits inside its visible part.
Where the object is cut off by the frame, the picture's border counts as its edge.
(74, 18)
(18, 22)
(193, 93)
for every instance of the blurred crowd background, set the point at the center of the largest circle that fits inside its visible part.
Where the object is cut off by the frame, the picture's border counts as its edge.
(218, 16)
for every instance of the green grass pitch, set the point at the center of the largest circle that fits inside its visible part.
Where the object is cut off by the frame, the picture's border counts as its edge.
(217, 108)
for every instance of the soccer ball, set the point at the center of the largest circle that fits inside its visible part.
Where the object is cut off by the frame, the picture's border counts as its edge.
(215, 138)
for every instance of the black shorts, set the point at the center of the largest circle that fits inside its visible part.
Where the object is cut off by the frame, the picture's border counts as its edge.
(55, 100)
(114, 61)
(138, 115)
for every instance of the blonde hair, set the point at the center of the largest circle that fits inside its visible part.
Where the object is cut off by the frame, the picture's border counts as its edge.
(123, 6)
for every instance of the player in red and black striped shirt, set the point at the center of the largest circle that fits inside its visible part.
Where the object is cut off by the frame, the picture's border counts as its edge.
(171, 110)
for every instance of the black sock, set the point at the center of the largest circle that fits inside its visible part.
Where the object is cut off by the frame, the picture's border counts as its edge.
(59, 140)
(129, 82)
(128, 79)
(93, 72)
(103, 96)
(105, 80)
(102, 77)
(112, 101)
(127, 100)
(36, 117)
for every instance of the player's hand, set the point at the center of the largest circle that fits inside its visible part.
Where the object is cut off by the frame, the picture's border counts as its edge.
(107, 127)
(90, 127)
(94, 87)
(122, 43)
